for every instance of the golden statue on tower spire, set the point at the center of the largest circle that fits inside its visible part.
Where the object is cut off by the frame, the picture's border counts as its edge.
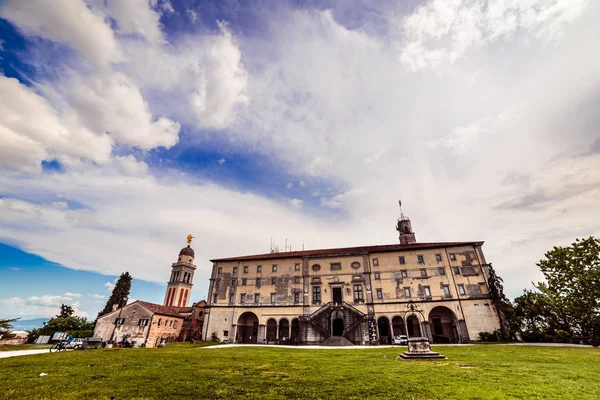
(189, 238)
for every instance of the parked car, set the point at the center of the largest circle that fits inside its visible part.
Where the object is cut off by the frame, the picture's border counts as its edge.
(401, 340)
(78, 343)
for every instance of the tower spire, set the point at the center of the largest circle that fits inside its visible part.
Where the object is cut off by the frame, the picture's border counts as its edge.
(404, 228)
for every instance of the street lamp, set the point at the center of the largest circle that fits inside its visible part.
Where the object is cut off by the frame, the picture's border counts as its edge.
(124, 299)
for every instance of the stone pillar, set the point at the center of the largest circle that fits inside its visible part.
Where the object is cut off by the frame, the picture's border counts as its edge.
(426, 330)
(262, 334)
(463, 333)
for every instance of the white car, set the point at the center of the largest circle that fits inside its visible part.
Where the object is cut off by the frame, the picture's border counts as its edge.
(78, 343)
(401, 339)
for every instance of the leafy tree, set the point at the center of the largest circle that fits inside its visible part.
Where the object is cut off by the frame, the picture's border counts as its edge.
(572, 286)
(533, 312)
(119, 294)
(6, 326)
(503, 305)
(65, 311)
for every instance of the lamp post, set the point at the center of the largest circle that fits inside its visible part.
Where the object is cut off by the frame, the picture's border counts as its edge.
(124, 299)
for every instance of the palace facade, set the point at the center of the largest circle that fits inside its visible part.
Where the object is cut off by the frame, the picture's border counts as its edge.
(362, 295)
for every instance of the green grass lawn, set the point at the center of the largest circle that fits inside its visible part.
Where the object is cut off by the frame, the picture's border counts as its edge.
(24, 347)
(191, 371)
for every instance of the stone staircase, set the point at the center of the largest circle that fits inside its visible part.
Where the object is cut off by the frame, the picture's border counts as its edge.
(337, 341)
(321, 320)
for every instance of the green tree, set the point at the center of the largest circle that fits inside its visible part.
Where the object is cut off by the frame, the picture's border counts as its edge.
(502, 304)
(6, 326)
(65, 311)
(572, 286)
(119, 294)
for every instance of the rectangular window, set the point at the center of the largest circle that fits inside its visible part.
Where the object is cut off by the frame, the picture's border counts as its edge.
(316, 279)
(427, 291)
(377, 276)
(375, 262)
(404, 273)
(245, 269)
(336, 266)
(233, 282)
(120, 321)
(244, 281)
(379, 294)
(235, 270)
(358, 292)
(453, 256)
(423, 272)
(231, 298)
(215, 298)
(143, 322)
(456, 270)
(259, 268)
(242, 298)
(446, 290)
(297, 267)
(461, 290)
(219, 271)
(175, 325)
(272, 297)
(402, 260)
(406, 292)
(257, 282)
(420, 259)
(438, 257)
(316, 292)
(296, 298)
(297, 279)
(274, 268)
(257, 298)
(482, 287)
(273, 281)
(442, 271)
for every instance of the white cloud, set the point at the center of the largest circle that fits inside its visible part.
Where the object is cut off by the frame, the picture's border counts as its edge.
(221, 161)
(32, 131)
(193, 15)
(98, 296)
(440, 31)
(110, 286)
(290, 185)
(296, 203)
(15, 268)
(70, 22)
(130, 166)
(36, 306)
(69, 294)
(138, 17)
(302, 184)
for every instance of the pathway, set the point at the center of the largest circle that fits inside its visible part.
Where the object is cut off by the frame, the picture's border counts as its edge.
(15, 353)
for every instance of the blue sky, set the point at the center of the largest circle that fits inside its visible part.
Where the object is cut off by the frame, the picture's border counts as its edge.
(124, 126)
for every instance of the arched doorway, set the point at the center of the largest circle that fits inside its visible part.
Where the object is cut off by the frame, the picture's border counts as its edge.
(443, 325)
(398, 327)
(284, 330)
(383, 325)
(414, 328)
(294, 331)
(338, 327)
(271, 330)
(247, 328)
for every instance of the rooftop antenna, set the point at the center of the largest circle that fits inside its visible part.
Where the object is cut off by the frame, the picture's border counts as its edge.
(286, 246)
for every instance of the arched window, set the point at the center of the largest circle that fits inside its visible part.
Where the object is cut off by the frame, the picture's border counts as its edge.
(159, 320)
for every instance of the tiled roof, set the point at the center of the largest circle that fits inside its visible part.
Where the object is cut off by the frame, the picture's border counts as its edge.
(164, 310)
(349, 251)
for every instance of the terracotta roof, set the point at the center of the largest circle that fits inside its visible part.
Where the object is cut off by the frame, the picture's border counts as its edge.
(349, 251)
(164, 310)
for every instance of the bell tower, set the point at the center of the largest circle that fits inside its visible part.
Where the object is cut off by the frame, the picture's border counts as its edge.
(404, 228)
(182, 276)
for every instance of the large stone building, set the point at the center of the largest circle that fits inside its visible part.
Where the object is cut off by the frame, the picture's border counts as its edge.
(364, 294)
(150, 324)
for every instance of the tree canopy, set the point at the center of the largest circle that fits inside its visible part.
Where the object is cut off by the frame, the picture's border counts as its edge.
(119, 294)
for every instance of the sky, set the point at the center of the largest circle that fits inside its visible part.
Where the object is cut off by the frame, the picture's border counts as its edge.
(125, 126)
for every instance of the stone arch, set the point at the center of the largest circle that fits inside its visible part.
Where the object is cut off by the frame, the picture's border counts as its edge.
(284, 330)
(247, 328)
(443, 325)
(383, 327)
(295, 330)
(271, 330)
(398, 327)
